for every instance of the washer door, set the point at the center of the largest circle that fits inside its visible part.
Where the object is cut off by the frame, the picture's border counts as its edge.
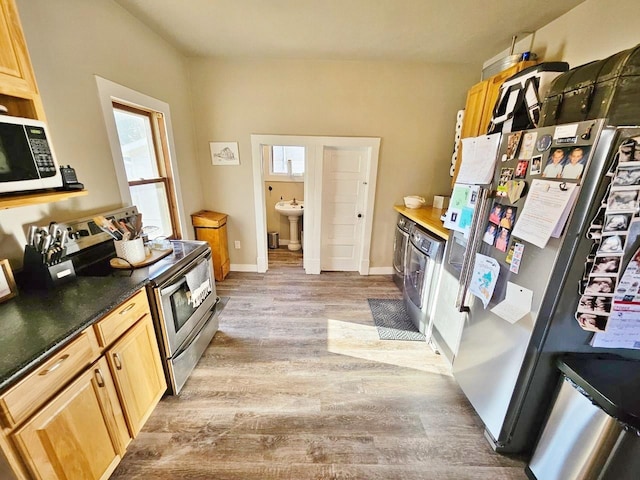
(399, 249)
(416, 269)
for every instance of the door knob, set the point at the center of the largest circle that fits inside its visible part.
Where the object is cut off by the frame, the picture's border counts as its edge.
(359, 215)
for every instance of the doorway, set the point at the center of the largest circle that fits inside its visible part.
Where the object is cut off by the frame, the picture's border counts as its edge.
(338, 152)
(283, 168)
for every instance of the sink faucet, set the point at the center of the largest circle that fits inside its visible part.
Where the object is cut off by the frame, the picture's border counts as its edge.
(293, 202)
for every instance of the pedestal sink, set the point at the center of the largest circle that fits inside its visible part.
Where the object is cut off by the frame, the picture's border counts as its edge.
(293, 210)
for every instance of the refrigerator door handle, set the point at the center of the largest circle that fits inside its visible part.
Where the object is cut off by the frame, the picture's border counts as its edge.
(473, 245)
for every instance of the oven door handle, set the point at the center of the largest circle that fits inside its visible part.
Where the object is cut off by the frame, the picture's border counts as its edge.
(182, 274)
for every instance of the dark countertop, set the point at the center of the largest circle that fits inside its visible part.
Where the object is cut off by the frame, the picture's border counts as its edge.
(611, 382)
(35, 325)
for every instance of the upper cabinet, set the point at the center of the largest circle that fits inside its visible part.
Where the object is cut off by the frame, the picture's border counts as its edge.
(18, 88)
(19, 93)
(479, 107)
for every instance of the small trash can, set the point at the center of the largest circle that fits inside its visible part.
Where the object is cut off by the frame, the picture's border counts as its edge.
(591, 430)
(274, 239)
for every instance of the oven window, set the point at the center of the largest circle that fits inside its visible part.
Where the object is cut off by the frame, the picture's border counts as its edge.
(180, 306)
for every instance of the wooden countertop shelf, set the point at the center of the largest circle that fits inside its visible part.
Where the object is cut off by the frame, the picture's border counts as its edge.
(427, 217)
(12, 201)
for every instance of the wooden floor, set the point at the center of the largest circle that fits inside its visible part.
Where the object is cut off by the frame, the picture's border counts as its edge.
(297, 385)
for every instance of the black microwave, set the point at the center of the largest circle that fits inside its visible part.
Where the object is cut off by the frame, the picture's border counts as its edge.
(27, 161)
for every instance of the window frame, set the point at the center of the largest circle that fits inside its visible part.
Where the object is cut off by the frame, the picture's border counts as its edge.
(158, 136)
(108, 92)
(270, 175)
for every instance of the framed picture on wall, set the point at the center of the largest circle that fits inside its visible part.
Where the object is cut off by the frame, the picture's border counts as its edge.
(7, 283)
(224, 153)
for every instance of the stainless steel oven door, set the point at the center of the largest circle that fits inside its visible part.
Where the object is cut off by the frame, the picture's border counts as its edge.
(178, 314)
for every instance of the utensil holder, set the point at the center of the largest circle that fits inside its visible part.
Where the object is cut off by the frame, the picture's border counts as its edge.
(37, 274)
(130, 250)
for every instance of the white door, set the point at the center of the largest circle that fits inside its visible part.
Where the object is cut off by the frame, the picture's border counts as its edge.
(344, 173)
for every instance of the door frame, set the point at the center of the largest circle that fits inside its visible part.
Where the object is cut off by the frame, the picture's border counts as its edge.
(312, 219)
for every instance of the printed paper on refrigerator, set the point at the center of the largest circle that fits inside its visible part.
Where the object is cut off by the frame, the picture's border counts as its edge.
(478, 159)
(545, 211)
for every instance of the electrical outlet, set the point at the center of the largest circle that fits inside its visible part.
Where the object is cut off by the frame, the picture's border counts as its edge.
(237, 244)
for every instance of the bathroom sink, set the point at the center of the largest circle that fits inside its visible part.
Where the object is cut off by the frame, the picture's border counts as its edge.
(289, 209)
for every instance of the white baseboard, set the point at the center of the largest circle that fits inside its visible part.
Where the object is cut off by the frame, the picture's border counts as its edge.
(312, 267)
(381, 271)
(235, 267)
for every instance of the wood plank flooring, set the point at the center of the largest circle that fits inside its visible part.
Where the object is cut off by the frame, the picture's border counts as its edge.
(297, 385)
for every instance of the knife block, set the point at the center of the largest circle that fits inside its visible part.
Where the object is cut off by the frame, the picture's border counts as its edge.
(36, 274)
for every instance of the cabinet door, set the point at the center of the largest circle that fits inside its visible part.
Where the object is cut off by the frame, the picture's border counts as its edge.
(472, 117)
(18, 89)
(75, 435)
(137, 370)
(15, 67)
(473, 109)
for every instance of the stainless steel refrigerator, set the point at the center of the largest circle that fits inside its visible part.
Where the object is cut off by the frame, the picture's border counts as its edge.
(506, 369)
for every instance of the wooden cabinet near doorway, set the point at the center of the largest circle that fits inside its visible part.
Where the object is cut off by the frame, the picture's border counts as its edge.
(478, 109)
(212, 228)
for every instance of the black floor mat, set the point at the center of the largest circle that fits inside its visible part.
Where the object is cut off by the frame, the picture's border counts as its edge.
(392, 320)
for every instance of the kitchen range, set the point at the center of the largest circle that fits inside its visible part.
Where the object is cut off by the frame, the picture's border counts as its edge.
(181, 289)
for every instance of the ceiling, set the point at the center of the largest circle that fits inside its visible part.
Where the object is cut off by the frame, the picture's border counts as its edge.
(458, 31)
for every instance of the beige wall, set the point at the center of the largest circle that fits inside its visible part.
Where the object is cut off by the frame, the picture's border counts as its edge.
(287, 191)
(593, 30)
(411, 106)
(70, 41)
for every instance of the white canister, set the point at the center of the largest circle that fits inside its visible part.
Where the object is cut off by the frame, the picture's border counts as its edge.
(130, 250)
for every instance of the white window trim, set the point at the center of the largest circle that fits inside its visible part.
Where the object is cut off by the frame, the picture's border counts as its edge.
(108, 92)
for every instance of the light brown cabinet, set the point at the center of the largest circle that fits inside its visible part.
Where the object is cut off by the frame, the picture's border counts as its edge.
(212, 228)
(18, 88)
(74, 435)
(135, 363)
(478, 109)
(74, 415)
(33, 391)
(20, 95)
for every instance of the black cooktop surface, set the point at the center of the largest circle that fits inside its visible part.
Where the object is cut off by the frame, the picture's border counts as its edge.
(95, 261)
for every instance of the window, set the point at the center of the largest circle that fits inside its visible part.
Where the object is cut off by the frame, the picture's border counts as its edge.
(143, 142)
(286, 161)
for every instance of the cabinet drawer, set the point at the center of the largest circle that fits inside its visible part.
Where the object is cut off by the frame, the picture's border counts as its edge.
(41, 384)
(112, 326)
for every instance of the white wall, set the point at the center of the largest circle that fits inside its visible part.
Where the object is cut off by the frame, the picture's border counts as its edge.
(411, 106)
(591, 31)
(69, 42)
